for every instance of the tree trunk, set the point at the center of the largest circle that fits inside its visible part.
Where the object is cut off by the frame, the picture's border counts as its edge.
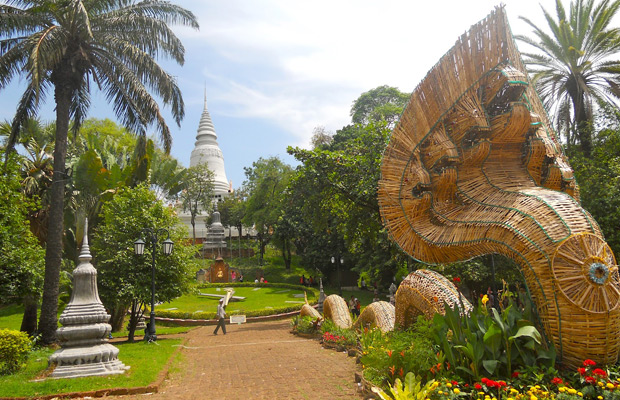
(288, 254)
(48, 322)
(583, 124)
(133, 320)
(117, 317)
(193, 221)
(29, 320)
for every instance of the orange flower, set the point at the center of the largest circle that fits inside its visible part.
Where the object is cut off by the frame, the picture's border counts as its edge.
(392, 369)
(401, 372)
(402, 353)
(389, 353)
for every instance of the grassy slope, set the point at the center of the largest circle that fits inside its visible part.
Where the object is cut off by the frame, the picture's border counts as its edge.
(146, 361)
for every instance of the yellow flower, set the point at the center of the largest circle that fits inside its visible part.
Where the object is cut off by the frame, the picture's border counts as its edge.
(599, 397)
(449, 384)
(510, 398)
(572, 391)
(562, 389)
(513, 390)
(480, 393)
(537, 387)
(532, 397)
(440, 392)
(485, 299)
(610, 385)
(456, 391)
(579, 394)
(601, 384)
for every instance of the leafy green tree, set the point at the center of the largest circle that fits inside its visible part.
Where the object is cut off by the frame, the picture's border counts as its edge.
(124, 278)
(576, 63)
(74, 45)
(265, 184)
(333, 196)
(197, 193)
(383, 103)
(232, 210)
(21, 256)
(599, 177)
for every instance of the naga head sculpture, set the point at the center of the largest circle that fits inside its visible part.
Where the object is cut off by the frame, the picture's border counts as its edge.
(474, 167)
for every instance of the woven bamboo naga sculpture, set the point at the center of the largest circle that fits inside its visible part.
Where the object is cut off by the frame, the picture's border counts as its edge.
(335, 308)
(425, 292)
(379, 314)
(474, 168)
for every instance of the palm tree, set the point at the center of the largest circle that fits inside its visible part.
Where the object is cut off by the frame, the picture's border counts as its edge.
(71, 45)
(575, 67)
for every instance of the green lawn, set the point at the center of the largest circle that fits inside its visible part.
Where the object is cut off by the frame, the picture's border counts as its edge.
(261, 299)
(11, 316)
(145, 359)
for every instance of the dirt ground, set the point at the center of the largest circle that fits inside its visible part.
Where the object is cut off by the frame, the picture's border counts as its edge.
(257, 361)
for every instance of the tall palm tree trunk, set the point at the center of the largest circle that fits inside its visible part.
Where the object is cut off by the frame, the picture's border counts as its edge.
(48, 322)
(583, 125)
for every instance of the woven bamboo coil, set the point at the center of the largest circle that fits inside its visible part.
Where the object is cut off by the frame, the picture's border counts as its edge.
(379, 314)
(309, 311)
(474, 167)
(335, 308)
(425, 292)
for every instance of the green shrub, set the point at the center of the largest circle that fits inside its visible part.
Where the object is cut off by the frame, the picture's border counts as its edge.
(393, 355)
(331, 333)
(305, 324)
(14, 349)
(488, 342)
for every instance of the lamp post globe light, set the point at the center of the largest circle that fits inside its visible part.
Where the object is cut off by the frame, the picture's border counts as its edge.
(338, 261)
(152, 237)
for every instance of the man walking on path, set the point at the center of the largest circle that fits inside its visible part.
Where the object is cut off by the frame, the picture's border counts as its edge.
(221, 315)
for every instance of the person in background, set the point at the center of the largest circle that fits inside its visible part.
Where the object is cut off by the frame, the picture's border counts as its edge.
(352, 305)
(221, 315)
(358, 307)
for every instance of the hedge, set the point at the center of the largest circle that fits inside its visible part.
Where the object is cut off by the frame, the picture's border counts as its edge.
(14, 349)
(312, 292)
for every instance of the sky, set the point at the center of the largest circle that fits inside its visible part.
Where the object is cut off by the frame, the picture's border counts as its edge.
(274, 70)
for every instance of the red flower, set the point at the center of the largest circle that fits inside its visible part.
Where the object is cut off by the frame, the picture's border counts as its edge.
(454, 383)
(557, 381)
(456, 279)
(599, 372)
(389, 353)
(402, 353)
(447, 365)
(582, 371)
(477, 386)
(590, 379)
(588, 363)
(515, 374)
(501, 384)
(484, 380)
(401, 372)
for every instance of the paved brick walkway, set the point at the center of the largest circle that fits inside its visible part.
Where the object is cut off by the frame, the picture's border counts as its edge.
(258, 361)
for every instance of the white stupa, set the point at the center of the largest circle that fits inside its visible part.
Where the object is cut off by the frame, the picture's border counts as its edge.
(207, 151)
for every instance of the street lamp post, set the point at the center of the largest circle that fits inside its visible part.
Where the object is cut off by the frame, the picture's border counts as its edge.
(152, 236)
(338, 261)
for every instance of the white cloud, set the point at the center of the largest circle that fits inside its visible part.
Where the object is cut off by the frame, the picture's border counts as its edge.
(300, 64)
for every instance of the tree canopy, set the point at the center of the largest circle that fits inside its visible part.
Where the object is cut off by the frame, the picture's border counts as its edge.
(71, 46)
(576, 64)
(124, 277)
